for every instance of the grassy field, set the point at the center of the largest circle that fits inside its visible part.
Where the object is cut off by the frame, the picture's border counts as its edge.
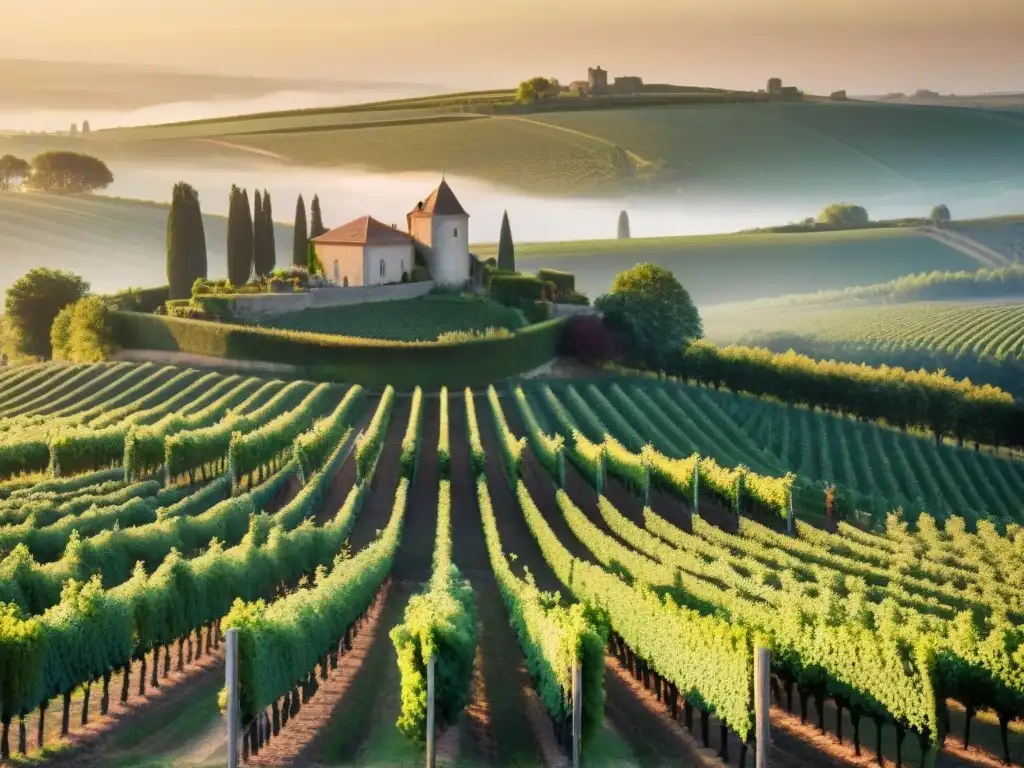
(807, 148)
(119, 243)
(721, 268)
(422, 319)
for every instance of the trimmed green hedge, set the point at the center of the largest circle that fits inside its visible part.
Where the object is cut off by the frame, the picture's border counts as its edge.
(370, 362)
(565, 282)
(516, 290)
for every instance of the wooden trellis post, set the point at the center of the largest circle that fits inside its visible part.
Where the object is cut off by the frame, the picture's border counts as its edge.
(762, 705)
(431, 713)
(234, 711)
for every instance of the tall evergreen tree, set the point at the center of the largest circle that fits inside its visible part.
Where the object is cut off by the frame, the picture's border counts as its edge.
(186, 241)
(267, 256)
(197, 238)
(238, 261)
(259, 234)
(246, 238)
(300, 248)
(316, 219)
(623, 226)
(506, 248)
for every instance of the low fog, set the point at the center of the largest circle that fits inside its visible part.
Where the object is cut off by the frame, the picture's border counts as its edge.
(50, 120)
(346, 194)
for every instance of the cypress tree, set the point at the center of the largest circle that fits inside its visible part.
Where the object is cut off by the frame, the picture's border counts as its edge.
(259, 233)
(316, 219)
(623, 226)
(186, 241)
(300, 249)
(238, 265)
(246, 238)
(268, 257)
(197, 238)
(506, 248)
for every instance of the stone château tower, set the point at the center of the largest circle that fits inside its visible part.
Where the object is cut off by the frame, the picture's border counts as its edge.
(598, 80)
(441, 223)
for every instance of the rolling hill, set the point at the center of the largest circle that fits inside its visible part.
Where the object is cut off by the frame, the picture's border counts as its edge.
(592, 146)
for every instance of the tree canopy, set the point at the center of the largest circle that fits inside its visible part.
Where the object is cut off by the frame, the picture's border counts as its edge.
(940, 214)
(68, 173)
(13, 171)
(653, 313)
(32, 304)
(844, 215)
(538, 88)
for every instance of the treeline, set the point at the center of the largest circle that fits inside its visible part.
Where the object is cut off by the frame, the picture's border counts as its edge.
(923, 286)
(56, 172)
(251, 246)
(1007, 373)
(934, 401)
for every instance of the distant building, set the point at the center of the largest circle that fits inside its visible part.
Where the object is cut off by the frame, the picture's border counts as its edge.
(776, 88)
(597, 84)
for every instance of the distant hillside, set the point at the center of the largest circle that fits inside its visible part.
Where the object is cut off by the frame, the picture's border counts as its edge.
(697, 144)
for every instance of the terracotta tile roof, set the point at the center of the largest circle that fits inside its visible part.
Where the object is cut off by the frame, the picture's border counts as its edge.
(363, 231)
(441, 201)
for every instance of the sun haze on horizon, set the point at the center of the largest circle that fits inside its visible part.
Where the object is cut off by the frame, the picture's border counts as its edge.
(873, 46)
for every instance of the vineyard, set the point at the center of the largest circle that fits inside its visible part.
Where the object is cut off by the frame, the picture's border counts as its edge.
(990, 331)
(564, 559)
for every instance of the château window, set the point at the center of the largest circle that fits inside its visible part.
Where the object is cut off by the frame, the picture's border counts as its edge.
(382, 268)
(337, 272)
(455, 231)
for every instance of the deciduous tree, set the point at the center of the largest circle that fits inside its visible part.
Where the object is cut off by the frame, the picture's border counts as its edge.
(69, 173)
(537, 89)
(844, 215)
(300, 239)
(506, 248)
(13, 170)
(653, 313)
(940, 215)
(33, 302)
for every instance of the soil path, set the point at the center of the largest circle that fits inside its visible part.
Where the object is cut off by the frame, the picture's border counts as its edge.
(505, 721)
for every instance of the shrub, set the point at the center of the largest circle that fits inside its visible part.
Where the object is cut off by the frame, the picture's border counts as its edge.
(588, 339)
(515, 290)
(32, 304)
(83, 332)
(140, 299)
(574, 297)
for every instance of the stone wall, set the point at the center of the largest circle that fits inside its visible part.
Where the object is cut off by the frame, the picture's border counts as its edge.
(260, 305)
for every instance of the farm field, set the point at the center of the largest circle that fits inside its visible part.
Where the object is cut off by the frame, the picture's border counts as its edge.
(737, 267)
(422, 319)
(551, 478)
(1004, 234)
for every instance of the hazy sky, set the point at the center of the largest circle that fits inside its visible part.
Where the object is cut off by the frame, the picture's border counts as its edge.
(865, 46)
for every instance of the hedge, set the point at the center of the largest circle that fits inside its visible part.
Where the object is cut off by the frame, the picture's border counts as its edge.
(370, 362)
(565, 282)
(516, 290)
